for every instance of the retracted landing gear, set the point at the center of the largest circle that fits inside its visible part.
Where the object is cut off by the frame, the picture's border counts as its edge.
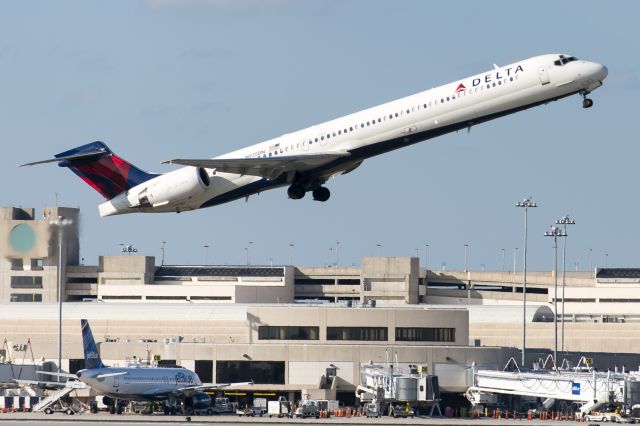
(321, 193)
(586, 102)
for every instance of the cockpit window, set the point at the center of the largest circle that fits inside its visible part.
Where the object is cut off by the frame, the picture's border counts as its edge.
(563, 60)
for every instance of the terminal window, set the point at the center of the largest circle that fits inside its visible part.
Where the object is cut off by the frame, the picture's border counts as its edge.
(369, 334)
(261, 372)
(271, 332)
(75, 365)
(19, 281)
(29, 297)
(204, 370)
(425, 334)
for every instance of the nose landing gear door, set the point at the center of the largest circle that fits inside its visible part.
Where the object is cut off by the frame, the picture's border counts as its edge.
(543, 76)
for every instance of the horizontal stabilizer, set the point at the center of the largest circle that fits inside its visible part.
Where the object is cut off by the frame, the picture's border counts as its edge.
(76, 157)
(270, 167)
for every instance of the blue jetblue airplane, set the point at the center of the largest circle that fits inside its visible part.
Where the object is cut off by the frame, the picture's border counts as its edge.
(119, 385)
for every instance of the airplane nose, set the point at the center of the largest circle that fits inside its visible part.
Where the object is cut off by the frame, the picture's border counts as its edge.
(602, 74)
(598, 72)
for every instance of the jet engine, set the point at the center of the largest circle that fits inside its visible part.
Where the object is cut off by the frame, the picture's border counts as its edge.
(198, 401)
(174, 187)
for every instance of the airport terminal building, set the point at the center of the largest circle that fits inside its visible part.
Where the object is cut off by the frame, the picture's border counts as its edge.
(287, 328)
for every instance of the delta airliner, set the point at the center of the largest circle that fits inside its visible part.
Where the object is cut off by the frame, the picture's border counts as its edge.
(306, 159)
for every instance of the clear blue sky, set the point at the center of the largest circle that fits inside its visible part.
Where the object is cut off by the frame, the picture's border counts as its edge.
(160, 79)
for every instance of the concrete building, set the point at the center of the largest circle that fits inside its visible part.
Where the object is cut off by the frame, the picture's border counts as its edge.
(285, 349)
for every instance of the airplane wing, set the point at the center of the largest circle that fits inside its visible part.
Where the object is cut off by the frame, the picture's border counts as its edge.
(270, 167)
(214, 386)
(102, 376)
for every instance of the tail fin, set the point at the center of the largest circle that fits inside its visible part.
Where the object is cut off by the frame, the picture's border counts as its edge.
(100, 168)
(91, 356)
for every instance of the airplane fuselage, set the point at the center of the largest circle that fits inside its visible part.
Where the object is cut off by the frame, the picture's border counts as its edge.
(139, 383)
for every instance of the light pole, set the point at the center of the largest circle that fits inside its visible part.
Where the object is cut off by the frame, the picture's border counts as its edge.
(337, 252)
(246, 249)
(378, 249)
(163, 244)
(515, 252)
(591, 261)
(503, 259)
(418, 254)
(206, 254)
(526, 204)
(606, 260)
(291, 246)
(60, 223)
(555, 232)
(566, 220)
(466, 257)
(426, 254)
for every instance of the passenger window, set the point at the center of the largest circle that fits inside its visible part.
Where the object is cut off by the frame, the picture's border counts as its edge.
(408, 111)
(339, 132)
(321, 138)
(379, 120)
(351, 129)
(396, 114)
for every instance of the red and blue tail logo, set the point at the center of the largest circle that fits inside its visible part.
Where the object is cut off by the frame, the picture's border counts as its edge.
(101, 169)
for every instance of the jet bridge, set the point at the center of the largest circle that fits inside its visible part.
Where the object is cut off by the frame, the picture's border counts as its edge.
(587, 387)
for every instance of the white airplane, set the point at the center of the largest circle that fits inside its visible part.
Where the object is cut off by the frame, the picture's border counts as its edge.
(306, 159)
(119, 385)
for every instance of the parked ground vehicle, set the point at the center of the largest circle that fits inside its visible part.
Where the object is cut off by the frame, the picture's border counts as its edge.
(373, 410)
(250, 411)
(223, 406)
(59, 407)
(279, 408)
(403, 410)
(308, 408)
(604, 416)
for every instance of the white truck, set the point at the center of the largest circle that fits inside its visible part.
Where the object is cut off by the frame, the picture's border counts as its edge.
(280, 408)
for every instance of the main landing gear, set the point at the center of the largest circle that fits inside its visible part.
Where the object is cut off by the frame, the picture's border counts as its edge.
(586, 102)
(297, 191)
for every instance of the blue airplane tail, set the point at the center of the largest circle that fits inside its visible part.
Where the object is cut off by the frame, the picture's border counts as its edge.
(91, 356)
